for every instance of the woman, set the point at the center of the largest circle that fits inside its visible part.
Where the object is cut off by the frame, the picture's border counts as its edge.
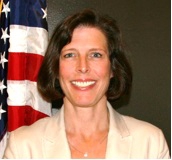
(85, 64)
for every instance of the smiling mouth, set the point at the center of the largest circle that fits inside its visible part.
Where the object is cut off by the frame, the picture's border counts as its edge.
(83, 84)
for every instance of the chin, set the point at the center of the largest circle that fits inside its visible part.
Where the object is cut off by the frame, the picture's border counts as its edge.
(85, 104)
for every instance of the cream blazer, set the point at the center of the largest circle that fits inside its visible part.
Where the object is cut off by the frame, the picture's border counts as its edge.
(127, 138)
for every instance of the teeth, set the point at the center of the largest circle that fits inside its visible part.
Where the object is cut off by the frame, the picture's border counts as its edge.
(83, 84)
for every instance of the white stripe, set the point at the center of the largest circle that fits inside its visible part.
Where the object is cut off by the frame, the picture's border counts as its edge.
(3, 144)
(28, 39)
(21, 93)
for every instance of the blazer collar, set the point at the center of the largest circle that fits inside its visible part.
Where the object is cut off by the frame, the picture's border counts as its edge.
(55, 142)
(119, 138)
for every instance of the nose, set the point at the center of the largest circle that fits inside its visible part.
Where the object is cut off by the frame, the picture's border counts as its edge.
(83, 65)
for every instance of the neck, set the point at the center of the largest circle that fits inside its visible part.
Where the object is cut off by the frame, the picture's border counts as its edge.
(86, 121)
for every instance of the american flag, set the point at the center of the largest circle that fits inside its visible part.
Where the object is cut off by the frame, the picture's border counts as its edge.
(24, 38)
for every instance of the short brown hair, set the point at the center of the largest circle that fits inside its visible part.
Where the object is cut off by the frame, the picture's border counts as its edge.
(120, 83)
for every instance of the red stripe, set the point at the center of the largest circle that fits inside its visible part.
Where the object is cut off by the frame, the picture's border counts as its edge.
(22, 115)
(23, 66)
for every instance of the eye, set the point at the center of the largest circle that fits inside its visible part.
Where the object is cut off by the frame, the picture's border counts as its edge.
(69, 55)
(96, 55)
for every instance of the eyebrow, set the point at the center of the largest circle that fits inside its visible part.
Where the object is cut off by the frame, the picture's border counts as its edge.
(73, 49)
(92, 49)
(97, 49)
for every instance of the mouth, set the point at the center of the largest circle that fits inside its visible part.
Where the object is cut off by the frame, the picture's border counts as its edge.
(83, 83)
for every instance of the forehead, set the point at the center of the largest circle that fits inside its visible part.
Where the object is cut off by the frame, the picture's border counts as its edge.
(86, 38)
(86, 33)
(88, 29)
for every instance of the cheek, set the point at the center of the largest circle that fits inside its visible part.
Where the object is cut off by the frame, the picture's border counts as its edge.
(103, 70)
(62, 70)
(65, 70)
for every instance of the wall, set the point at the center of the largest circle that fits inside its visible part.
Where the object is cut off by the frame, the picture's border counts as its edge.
(146, 29)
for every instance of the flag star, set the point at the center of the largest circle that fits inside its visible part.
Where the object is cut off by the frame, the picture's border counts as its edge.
(3, 60)
(2, 86)
(4, 34)
(6, 9)
(45, 13)
(1, 111)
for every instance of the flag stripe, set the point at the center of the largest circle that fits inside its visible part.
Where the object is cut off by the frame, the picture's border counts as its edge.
(23, 115)
(24, 66)
(28, 39)
(26, 93)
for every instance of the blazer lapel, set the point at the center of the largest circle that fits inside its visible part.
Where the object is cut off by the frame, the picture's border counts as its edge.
(119, 138)
(55, 143)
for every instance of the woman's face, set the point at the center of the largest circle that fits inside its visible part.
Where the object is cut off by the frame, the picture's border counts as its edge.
(85, 69)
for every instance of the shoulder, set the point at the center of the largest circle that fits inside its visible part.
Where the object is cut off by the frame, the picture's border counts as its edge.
(138, 129)
(144, 132)
(135, 125)
(29, 141)
(147, 136)
(130, 125)
(37, 129)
